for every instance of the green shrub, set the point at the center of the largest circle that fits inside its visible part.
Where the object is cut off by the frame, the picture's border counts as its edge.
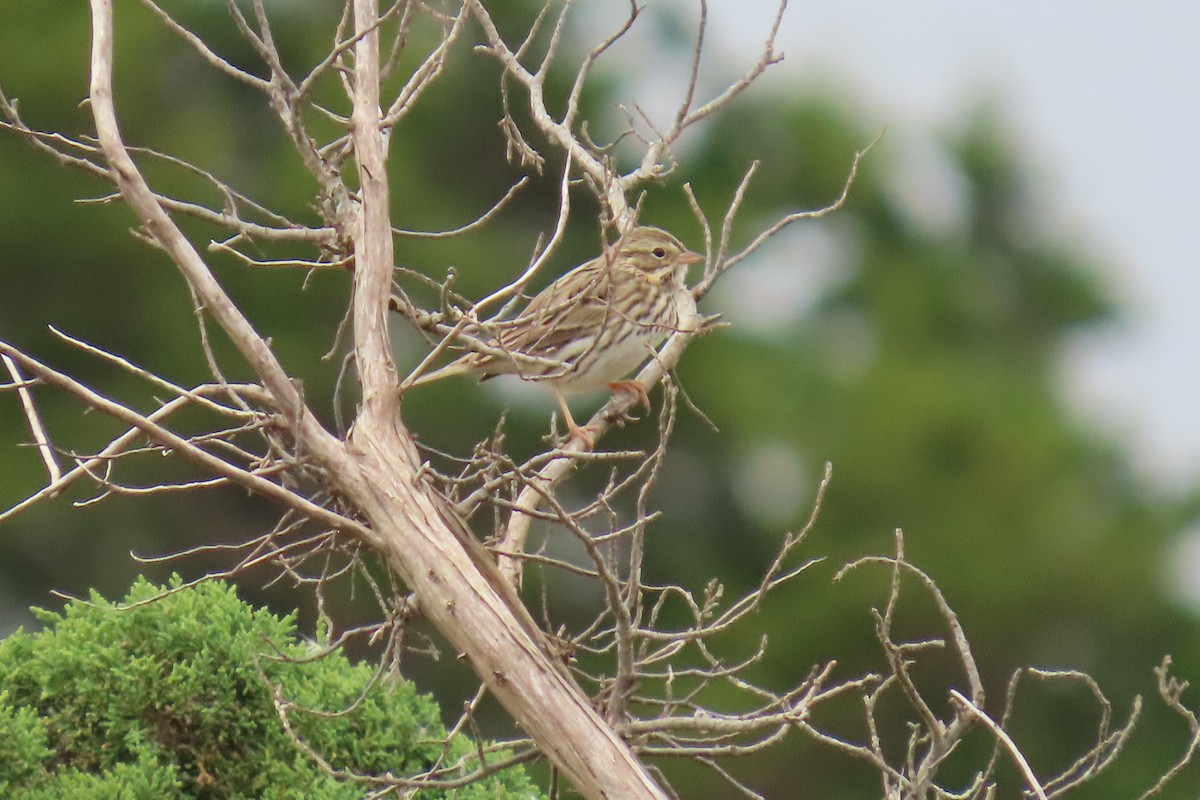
(173, 699)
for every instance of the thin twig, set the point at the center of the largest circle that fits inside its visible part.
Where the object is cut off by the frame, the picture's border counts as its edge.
(1030, 779)
(34, 420)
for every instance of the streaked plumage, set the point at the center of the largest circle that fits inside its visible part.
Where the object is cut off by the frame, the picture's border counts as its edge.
(597, 322)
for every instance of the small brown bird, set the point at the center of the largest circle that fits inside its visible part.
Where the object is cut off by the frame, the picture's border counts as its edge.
(596, 323)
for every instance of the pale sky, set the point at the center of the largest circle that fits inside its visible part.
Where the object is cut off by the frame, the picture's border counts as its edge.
(1106, 97)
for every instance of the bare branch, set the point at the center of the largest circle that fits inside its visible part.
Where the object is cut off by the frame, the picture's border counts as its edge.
(428, 72)
(33, 419)
(158, 433)
(685, 117)
(205, 51)
(560, 223)
(558, 132)
(720, 266)
(596, 697)
(1017, 756)
(1171, 690)
(135, 191)
(478, 222)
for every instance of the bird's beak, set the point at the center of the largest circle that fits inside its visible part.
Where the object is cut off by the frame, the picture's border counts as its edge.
(688, 257)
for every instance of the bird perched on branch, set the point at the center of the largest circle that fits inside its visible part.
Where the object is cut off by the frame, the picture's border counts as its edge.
(590, 328)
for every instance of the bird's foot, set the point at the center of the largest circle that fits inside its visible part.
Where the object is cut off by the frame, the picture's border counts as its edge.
(635, 388)
(585, 434)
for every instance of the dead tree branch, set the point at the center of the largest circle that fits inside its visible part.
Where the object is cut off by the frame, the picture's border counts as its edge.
(375, 494)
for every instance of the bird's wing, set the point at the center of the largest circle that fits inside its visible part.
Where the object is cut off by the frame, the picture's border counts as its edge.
(571, 309)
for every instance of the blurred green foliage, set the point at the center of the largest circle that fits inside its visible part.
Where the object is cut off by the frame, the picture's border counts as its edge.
(924, 363)
(170, 694)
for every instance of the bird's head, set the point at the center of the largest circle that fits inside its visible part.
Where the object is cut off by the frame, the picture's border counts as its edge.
(654, 253)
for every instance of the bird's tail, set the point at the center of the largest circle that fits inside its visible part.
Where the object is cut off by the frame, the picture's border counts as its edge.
(459, 367)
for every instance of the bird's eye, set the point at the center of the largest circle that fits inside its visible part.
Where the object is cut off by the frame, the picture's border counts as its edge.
(658, 252)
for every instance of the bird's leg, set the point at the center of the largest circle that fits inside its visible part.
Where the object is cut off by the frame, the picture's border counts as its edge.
(586, 436)
(633, 387)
